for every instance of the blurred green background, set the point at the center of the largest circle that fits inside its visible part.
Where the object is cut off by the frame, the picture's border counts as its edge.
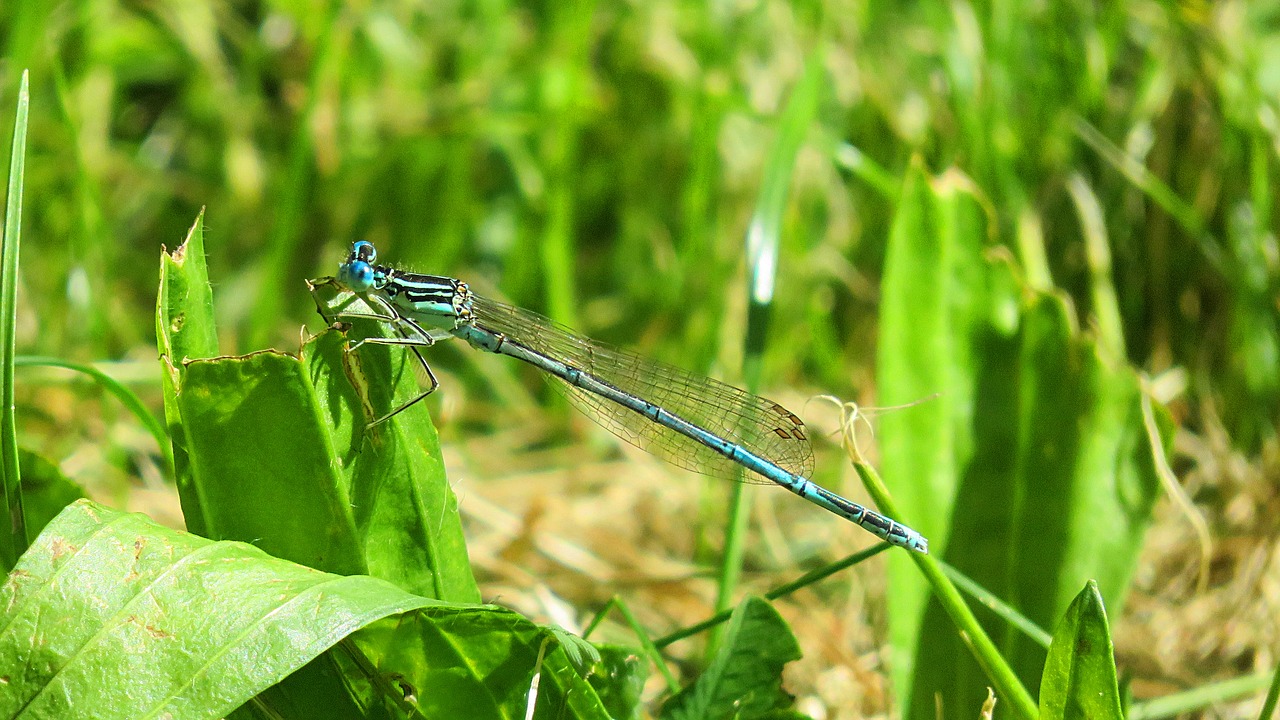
(600, 162)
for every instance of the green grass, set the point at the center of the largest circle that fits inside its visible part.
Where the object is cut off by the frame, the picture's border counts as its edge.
(1025, 210)
(15, 536)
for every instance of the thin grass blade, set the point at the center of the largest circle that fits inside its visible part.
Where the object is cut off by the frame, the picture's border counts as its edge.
(763, 241)
(13, 535)
(127, 397)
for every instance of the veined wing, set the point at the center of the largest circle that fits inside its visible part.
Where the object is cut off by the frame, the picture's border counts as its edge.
(761, 426)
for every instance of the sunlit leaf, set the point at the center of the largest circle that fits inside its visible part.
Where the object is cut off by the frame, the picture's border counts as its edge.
(1080, 673)
(744, 679)
(110, 613)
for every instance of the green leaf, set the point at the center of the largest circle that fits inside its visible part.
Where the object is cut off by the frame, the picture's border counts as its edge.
(1086, 482)
(1080, 673)
(618, 678)
(280, 458)
(262, 461)
(457, 661)
(934, 294)
(744, 679)
(184, 310)
(109, 610)
(1034, 452)
(111, 615)
(405, 510)
(276, 450)
(13, 534)
(184, 329)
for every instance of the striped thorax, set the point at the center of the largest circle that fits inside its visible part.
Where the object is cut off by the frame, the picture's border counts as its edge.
(434, 301)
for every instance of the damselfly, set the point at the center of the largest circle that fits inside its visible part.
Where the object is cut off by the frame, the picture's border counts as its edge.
(694, 422)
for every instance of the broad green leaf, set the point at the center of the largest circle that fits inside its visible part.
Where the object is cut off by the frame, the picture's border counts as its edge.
(184, 329)
(110, 615)
(744, 679)
(276, 452)
(13, 534)
(1086, 484)
(276, 461)
(1080, 673)
(933, 294)
(262, 460)
(458, 661)
(1034, 452)
(331, 687)
(405, 511)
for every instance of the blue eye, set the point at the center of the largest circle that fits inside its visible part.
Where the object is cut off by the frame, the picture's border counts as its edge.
(364, 250)
(357, 275)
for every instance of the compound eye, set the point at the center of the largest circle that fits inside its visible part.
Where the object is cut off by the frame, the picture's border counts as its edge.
(357, 275)
(364, 250)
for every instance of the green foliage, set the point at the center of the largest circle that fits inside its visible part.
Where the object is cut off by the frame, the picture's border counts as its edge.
(1051, 196)
(45, 490)
(13, 535)
(1032, 469)
(184, 329)
(762, 246)
(743, 679)
(110, 615)
(124, 394)
(278, 452)
(619, 679)
(1080, 672)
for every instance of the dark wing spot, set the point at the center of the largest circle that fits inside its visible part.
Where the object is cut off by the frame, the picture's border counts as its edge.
(790, 416)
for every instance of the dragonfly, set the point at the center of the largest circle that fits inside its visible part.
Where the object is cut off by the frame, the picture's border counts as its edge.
(694, 422)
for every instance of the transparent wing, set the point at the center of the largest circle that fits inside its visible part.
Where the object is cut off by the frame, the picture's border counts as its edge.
(755, 423)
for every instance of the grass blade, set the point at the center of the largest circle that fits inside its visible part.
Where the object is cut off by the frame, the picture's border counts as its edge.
(13, 538)
(764, 237)
(984, 651)
(1001, 608)
(1273, 694)
(126, 397)
(286, 234)
(1210, 694)
(804, 581)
